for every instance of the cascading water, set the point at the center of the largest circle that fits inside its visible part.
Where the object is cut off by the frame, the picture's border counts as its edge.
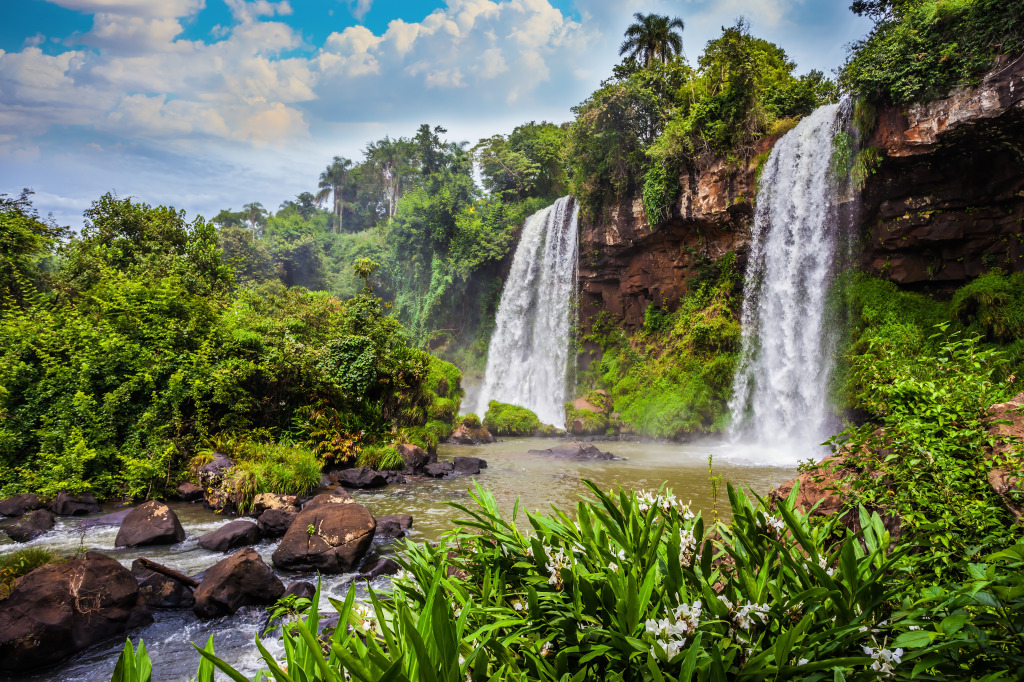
(528, 357)
(780, 387)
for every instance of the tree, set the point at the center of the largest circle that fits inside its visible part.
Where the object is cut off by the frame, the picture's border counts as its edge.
(393, 160)
(653, 36)
(254, 214)
(305, 204)
(332, 182)
(25, 241)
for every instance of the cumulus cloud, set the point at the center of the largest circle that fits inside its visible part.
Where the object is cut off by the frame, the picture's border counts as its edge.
(139, 8)
(360, 7)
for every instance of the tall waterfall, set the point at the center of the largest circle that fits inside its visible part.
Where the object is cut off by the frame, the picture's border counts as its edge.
(780, 387)
(528, 358)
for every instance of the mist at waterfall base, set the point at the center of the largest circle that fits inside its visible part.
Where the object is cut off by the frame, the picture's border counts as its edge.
(780, 408)
(528, 357)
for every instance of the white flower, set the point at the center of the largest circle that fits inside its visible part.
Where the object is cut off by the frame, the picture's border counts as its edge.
(824, 565)
(612, 566)
(885, 660)
(688, 617)
(803, 661)
(517, 605)
(744, 617)
(546, 649)
(775, 524)
(556, 562)
(367, 617)
(687, 546)
(725, 600)
(914, 627)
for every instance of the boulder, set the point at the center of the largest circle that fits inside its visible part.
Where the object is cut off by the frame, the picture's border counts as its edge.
(361, 478)
(151, 523)
(189, 492)
(468, 465)
(468, 435)
(576, 450)
(60, 609)
(341, 534)
(415, 457)
(1008, 433)
(336, 496)
(266, 501)
(303, 589)
(439, 469)
(584, 404)
(819, 487)
(274, 523)
(393, 526)
(242, 579)
(19, 505)
(231, 536)
(66, 504)
(212, 478)
(383, 566)
(114, 519)
(160, 591)
(29, 527)
(214, 471)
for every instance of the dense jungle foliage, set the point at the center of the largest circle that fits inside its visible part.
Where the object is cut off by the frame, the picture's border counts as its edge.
(123, 361)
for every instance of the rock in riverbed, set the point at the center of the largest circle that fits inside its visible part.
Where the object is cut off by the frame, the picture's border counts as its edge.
(151, 523)
(231, 536)
(392, 526)
(326, 536)
(29, 527)
(66, 504)
(19, 505)
(243, 579)
(576, 450)
(274, 523)
(59, 609)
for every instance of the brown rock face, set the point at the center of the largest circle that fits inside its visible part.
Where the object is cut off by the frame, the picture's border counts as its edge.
(231, 536)
(1007, 455)
(947, 201)
(21, 504)
(468, 435)
(29, 527)
(341, 535)
(60, 609)
(243, 579)
(151, 523)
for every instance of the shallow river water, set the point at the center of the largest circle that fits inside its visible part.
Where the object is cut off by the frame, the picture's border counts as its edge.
(537, 481)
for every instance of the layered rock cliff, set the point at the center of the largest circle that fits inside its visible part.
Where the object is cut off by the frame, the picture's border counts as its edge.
(944, 204)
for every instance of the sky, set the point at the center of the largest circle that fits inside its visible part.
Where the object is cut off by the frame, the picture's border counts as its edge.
(211, 104)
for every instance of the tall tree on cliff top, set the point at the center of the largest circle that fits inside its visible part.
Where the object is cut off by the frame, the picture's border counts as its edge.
(255, 215)
(332, 182)
(653, 36)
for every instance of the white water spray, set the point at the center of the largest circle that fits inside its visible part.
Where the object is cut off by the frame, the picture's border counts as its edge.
(528, 358)
(780, 388)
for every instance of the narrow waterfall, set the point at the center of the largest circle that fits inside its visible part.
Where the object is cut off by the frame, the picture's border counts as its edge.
(781, 385)
(528, 357)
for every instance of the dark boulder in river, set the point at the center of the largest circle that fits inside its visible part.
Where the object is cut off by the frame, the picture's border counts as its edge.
(189, 492)
(576, 450)
(243, 579)
(29, 527)
(19, 505)
(326, 536)
(274, 523)
(393, 525)
(231, 536)
(360, 477)
(151, 523)
(470, 435)
(161, 591)
(66, 504)
(415, 457)
(468, 465)
(60, 609)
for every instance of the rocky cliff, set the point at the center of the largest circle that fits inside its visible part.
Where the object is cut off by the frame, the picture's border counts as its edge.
(944, 203)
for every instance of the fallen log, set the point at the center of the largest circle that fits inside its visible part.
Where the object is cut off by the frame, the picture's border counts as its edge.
(169, 572)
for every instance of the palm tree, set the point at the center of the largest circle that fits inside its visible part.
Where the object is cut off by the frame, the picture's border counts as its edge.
(332, 181)
(390, 158)
(253, 213)
(653, 36)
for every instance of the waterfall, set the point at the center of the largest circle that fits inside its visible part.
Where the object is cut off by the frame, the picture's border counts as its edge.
(528, 357)
(781, 385)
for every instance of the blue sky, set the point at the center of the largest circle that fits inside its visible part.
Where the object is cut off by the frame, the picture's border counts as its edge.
(210, 104)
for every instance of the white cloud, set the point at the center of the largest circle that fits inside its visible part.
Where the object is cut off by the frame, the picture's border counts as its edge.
(361, 8)
(138, 8)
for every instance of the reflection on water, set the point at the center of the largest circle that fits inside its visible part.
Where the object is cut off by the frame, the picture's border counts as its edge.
(537, 480)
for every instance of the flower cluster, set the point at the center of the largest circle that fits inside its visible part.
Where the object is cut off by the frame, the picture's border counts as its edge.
(556, 562)
(774, 525)
(367, 617)
(744, 617)
(670, 634)
(647, 499)
(885, 660)
(621, 556)
(687, 546)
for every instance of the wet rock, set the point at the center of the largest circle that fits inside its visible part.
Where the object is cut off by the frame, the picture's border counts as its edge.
(303, 589)
(394, 477)
(243, 579)
(151, 523)
(336, 496)
(415, 457)
(161, 591)
(29, 527)
(361, 478)
(66, 504)
(341, 534)
(214, 471)
(19, 505)
(383, 566)
(274, 523)
(818, 486)
(576, 450)
(60, 609)
(1008, 432)
(393, 525)
(231, 536)
(439, 469)
(468, 435)
(468, 465)
(267, 501)
(114, 519)
(189, 492)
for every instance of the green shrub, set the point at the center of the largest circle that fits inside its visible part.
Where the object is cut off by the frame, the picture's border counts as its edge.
(993, 305)
(592, 422)
(21, 562)
(471, 421)
(381, 458)
(272, 468)
(503, 419)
